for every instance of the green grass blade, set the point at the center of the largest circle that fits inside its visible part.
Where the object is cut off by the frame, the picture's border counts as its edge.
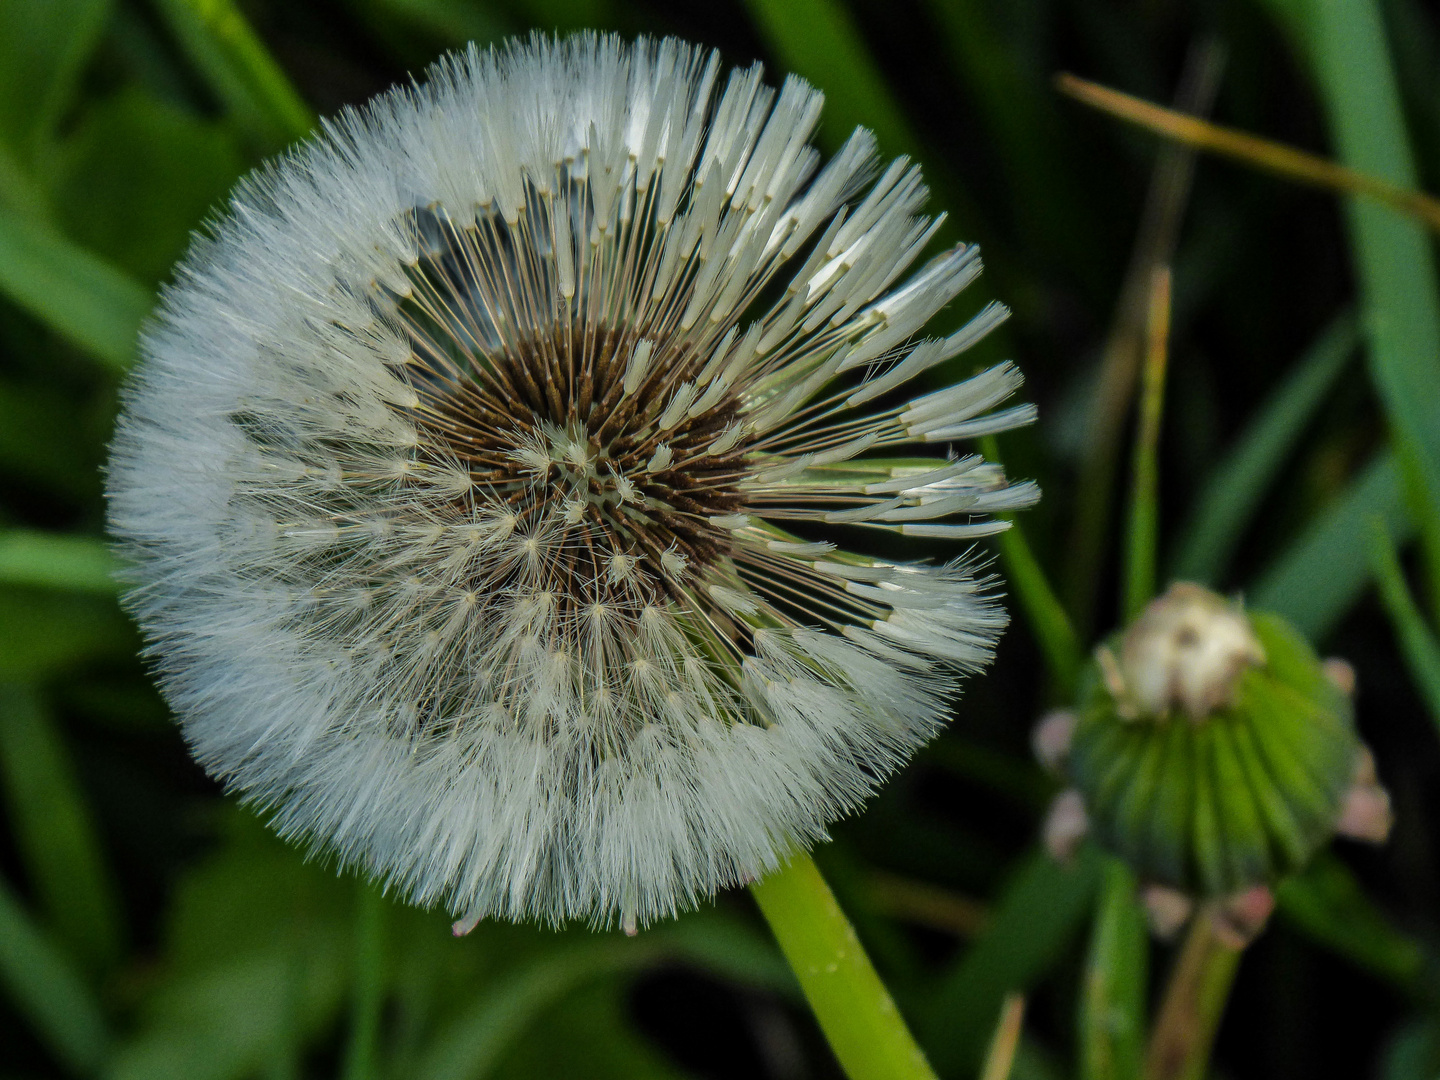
(1233, 492)
(44, 46)
(817, 39)
(1033, 923)
(1325, 571)
(1399, 289)
(56, 561)
(47, 991)
(1005, 86)
(233, 59)
(78, 295)
(53, 829)
(1428, 525)
(1112, 1005)
(472, 1044)
(1329, 906)
(1417, 641)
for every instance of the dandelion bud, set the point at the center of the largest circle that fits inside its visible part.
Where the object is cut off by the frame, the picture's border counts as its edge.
(542, 359)
(1186, 651)
(1215, 753)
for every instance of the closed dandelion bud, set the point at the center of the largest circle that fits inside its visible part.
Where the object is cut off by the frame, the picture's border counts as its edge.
(1210, 747)
(479, 473)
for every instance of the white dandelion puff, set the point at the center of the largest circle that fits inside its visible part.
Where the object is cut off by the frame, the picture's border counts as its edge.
(472, 473)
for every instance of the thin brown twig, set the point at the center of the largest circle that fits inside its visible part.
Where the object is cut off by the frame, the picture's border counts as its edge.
(926, 905)
(1143, 535)
(1266, 154)
(1001, 1059)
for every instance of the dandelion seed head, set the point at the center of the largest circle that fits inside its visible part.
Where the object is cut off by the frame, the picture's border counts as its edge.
(472, 474)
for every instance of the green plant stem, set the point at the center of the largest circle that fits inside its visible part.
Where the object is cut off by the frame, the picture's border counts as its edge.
(1112, 1010)
(1049, 622)
(1194, 1000)
(854, 1009)
(1142, 536)
(362, 1053)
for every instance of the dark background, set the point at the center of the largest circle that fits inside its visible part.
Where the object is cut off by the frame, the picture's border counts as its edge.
(209, 950)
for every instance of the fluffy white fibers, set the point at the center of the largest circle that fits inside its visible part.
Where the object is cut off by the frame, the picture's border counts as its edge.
(478, 472)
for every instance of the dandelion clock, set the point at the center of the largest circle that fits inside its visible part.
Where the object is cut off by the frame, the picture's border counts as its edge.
(492, 472)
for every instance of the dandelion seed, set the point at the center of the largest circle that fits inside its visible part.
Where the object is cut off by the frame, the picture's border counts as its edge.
(470, 474)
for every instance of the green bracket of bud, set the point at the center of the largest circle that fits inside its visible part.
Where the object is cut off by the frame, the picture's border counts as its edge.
(1211, 750)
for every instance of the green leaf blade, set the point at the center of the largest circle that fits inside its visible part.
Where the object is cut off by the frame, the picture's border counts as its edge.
(54, 829)
(57, 561)
(78, 295)
(48, 991)
(1317, 580)
(1417, 640)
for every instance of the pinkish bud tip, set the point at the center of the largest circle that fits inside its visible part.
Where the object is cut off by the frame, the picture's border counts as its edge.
(1052, 737)
(1240, 917)
(1365, 813)
(1341, 674)
(1166, 910)
(1065, 825)
(461, 927)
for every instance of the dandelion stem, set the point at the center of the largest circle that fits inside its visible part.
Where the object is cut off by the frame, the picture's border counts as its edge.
(854, 1009)
(362, 1053)
(1144, 514)
(1195, 997)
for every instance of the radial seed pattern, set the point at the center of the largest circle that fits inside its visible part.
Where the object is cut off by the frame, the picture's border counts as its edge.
(479, 467)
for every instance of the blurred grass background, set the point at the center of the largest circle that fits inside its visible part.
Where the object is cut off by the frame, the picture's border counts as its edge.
(150, 930)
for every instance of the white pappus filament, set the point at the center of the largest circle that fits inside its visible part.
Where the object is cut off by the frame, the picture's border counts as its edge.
(474, 475)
